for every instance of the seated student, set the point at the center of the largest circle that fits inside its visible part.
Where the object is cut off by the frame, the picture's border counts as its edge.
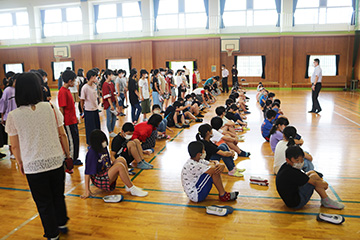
(229, 102)
(123, 146)
(263, 97)
(199, 93)
(296, 187)
(199, 100)
(175, 116)
(194, 106)
(104, 173)
(259, 87)
(219, 138)
(267, 124)
(209, 98)
(214, 152)
(215, 88)
(146, 132)
(198, 176)
(276, 107)
(233, 115)
(228, 125)
(260, 94)
(163, 125)
(267, 107)
(289, 133)
(239, 101)
(186, 110)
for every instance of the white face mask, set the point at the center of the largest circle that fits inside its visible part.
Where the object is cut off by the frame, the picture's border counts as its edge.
(104, 144)
(157, 111)
(128, 137)
(298, 165)
(46, 79)
(162, 73)
(202, 156)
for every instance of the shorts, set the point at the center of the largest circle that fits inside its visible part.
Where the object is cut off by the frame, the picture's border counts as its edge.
(125, 154)
(145, 106)
(203, 186)
(305, 193)
(173, 92)
(102, 181)
(76, 97)
(121, 99)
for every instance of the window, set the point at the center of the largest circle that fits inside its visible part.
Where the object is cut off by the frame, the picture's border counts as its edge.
(59, 67)
(327, 64)
(249, 66)
(14, 67)
(14, 25)
(327, 12)
(62, 21)
(118, 64)
(174, 14)
(119, 17)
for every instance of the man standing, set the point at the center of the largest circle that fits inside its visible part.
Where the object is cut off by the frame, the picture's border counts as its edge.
(187, 74)
(234, 73)
(316, 86)
(225, 74)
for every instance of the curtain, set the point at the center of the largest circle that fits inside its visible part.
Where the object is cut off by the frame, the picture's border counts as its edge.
(42, 16)
(294, 9)
(195, 64)
(353, 16)
(222, 8)
(263, 59)
(156, 11)
(307, 66)
(130, 65)
(356, 50)
(278, 9)
(206, 4)
(96, 17)
(337, 64)
(167, 64)
(139, 2)
(119, 10)
(63, 14)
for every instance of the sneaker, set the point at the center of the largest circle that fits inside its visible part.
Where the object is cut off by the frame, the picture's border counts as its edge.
(245, 154)
(55, 238)
(114, 112)
(235, 173)
(329, 203)
(63, 229)
(257, 179)
(238, 129)
(178, 125)
(77, 162)
(229, 196)
(185, 125)
(330, 218)
(246, 129)
(144, 165)
(229, 208)
(217, 211)
(199, 115)
(260, 183)
(135, 191)
(112, 134)
(240, 169)
(122, 114)
(198, 120)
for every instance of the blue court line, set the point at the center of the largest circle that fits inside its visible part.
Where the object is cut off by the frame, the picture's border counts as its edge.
(15, 189)
(235, 209)
(336, 195)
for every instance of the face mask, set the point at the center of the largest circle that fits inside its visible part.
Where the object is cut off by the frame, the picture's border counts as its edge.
(128, 137)
(162, 73)
(313, 65)
(202, 156)
(222, 68)
(211, 135)
(298, 165)
(45, 80)
(157, 111)
(104, 144)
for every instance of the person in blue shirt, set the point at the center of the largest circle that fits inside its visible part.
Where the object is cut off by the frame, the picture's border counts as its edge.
(267, 124)
(209, 81)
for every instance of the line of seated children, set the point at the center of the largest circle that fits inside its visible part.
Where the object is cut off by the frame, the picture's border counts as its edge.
(259, 87)
(267, 124)
(263, 98)
(175, 117)
(224, 128)
(194, 105)
(198, 175)
(276, 133)
(240, 101)
(219, 138)
(103, 172)
(214, 152)
(274, 105)
(123, 146)
(233, 114)
(229, 126)
(161, 129)
(199, 94)
(208, 97)
(289, 137)
(296, 187)
(185, 108)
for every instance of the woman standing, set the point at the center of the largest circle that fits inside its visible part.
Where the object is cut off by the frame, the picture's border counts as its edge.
(41, 155)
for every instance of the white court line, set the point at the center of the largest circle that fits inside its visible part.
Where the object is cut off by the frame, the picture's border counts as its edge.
(347, 118)
(347, 110)
(33, 217)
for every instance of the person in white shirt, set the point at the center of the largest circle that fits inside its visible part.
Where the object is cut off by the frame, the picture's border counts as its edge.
(225, 74)
(198, 175)
(144, 93)
(316, 79)
(187, 74)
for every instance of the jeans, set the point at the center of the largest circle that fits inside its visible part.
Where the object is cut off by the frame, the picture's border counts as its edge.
(162, 125)
(315, 95)
(229, 162)
(156, 100)
(110, 120)
(135, 112)
(121, 100)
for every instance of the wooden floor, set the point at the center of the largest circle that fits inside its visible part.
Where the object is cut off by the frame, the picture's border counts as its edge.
(166, 213)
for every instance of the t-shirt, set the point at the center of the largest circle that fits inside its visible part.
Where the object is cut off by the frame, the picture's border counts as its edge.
(7, 101)
(194, 78)
(317, 72)
(279, 155)
(155, 83)
(133, 86)
(234, 72)
(225, 73)
(162, 83)
(231, 116)
(210, 149)
(217, 136)
(288, 181)
(265, 128)
(142, 131)
(274, 139)
(170, 82)
(199, 91)
(66, 101)
(144, 85)
(74, 89)
(96, 163)
(190, 175)
(119, 145)
(89, 95)
(262, 100)
(123, 83)
(108, 91)
(37, 130)
(187, 72)
(209, 82)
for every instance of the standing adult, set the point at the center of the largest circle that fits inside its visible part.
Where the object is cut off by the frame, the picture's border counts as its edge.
(316, 79)
(234, 73)
(36, 126)
(225, 74)
(187, 74)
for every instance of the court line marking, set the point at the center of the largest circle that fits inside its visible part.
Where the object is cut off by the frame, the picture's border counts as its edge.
(352, 112)
(336, 195)
(347, 118)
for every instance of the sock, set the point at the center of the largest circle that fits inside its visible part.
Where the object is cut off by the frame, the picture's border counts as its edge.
(329, 203)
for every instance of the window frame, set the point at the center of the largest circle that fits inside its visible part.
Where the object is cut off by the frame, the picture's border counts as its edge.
(249, 55)
(14, 25)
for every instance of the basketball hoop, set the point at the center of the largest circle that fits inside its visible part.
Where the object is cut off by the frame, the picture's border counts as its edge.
(57, 58)
(229, 51)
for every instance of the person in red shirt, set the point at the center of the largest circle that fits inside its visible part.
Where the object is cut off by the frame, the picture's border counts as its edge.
(194, 80)
(67, 108)
(146, 132)
(171, 86)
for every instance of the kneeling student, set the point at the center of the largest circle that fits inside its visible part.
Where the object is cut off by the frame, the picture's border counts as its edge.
(296, 187)
(198, 176)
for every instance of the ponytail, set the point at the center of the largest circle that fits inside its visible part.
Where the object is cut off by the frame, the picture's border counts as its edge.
(291, 141)
(289, 134)
(203, 129)
(279, 121)
(198, 137)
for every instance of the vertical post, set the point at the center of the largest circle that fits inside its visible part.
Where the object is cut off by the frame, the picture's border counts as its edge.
(147, 17)
(87, 20)
(214, 16)
(286, 16)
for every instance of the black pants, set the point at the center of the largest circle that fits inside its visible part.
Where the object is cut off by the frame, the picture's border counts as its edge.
(315, 95)
(225, 86)
(235, 82)
(92, 122)
(188, 78)
(72, 132)
(3, 136)
(47, 190)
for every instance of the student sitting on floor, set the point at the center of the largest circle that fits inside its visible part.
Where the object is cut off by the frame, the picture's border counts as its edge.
(214, 152)
(267, 107)
(198, 176)
(186, 110)
(233, 115)
(219, 138)
(290, 134)
(267, 124)
(296, 187)
(228, 125)
(131, 150)
(194, 105)
(263, 97)
(209, 98)
(147, 134)
(104, 173)
(276, 107)
(163, 125)
(175, 116)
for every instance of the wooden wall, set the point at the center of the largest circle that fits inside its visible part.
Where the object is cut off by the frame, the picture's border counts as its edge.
(285, 56)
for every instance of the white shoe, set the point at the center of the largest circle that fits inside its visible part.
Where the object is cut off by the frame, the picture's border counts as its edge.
(135, 191)
(12, 156)
(112, 134)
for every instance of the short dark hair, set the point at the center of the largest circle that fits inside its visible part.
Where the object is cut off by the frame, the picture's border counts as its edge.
(277, 101)
(317, 60)
(9, 74)
(161, 70)
(188, 96)
(91, 73)
(233, 107)
(28, 89)
(176, 104)
(155, 120)
(80, 72)
(220, 110)
(42, 72)
(268, 102)
(294, 152)
(223, 65)
(155, 106)
(128, 127)
(229, 101)
(271, 94)
(275, 104)
(68, 75)
(142, 72)
(216, 123)
(270, 114)
(195, 147)
(97, 137)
